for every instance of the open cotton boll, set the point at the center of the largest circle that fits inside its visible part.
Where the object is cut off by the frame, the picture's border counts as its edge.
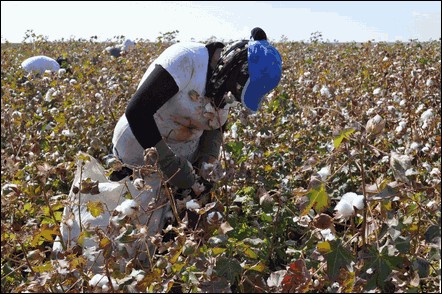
(328, 235)
(234, 130)
(377, 91)
(345, 207)
(325, 91)
(128, 207)
(429, 82)
(49, 94)
(67, 133)
(192, 204)
(426, 116)
(102, 282)
(324, 173)
(214, 217)
(375, 125)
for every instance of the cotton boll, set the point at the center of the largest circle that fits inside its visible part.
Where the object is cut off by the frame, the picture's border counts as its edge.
(324, 173)
(127, 45)
(358, 201)
(391, 109)
(214, 217)
(377, 91)
(375, 125)
(370, 111)
(67, 133)
(328, 235)
(192, 204)
(435, 172)
(344, 209)
(427, 115)
(420, 108)
(399, 129)
(233, 131)
(414, 146)
(128, 207)
(49, 94)
(102, 281)
(325, 91)
(139, 184)
(427, 166)
(350, 200)
(198, 188)
(429, 82)
(426, 148)
(61, 72)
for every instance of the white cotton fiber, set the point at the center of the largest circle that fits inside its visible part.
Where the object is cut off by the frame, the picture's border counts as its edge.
(192, 204)
(345, 207)
(128, 207)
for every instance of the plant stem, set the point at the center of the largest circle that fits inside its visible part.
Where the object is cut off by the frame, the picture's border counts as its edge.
(364, 221)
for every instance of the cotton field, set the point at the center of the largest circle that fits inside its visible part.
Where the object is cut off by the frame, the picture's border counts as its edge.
(333, 187)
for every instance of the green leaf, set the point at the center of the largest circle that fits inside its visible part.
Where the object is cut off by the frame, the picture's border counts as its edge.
(378, 266)
(259, 267)
(337, 258)
(44, 235)
(323, 247)
(230, 268)
(318, 199)
(250, 253)
(422, 266)
(235, 148)
(84, 234)
(403, 244)
(345, 134)
(432, 233)
(95, 208)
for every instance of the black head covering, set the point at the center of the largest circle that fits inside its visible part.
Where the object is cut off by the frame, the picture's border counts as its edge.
(211, 47)
(230, 72)
(258, 34)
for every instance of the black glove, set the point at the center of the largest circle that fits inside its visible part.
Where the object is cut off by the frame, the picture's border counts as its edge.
(178, 170)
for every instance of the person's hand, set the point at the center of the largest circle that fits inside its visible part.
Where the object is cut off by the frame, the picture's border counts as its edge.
(178, 170)
(211, 170)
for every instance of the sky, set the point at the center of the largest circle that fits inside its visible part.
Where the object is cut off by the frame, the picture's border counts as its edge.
(342, 21)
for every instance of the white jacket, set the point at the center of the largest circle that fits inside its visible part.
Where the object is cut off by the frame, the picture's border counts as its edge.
(181, 120)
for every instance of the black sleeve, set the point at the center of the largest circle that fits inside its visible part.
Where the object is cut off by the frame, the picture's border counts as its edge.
(156, 90)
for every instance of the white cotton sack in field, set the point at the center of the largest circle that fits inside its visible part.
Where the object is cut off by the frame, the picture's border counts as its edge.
(40, 64)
